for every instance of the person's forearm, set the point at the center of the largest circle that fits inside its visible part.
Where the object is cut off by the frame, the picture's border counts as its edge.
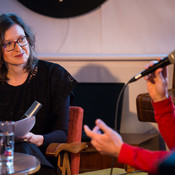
(58, 136)
(139, 158)
(165, 117)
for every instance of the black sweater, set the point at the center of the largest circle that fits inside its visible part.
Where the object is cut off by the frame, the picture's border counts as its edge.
(50, 84)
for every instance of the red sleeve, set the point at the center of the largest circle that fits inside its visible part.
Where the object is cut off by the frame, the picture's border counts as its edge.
(141, 158)
(148, 160)
(165, 117)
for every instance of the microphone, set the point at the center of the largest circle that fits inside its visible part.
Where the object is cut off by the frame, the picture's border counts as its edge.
(170, 59)
(34, 108)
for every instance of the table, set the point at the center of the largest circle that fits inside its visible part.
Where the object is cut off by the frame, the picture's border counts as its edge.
(23, 164)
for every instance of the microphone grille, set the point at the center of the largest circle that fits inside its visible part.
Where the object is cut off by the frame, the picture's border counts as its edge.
(171, 57)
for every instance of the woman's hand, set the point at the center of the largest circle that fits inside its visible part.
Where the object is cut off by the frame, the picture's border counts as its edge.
(109, 142)
(157, 83)
(31, 138)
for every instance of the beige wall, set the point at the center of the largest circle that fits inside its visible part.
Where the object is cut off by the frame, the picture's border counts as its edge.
(110, 44)
(115, 70)
(118, 27)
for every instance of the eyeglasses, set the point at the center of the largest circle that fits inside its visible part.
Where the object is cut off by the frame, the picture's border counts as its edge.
(10, 45)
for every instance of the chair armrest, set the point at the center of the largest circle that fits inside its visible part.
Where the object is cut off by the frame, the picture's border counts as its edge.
(55, 148)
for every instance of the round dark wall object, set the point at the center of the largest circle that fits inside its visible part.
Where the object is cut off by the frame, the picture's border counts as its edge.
(62, 8)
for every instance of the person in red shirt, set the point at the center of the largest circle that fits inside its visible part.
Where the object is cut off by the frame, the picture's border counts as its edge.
(134, 156)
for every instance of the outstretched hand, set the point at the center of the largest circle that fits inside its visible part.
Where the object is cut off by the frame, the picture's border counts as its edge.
(109, 142)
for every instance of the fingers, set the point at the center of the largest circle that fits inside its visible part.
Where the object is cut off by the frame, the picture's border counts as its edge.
(88, 132)
(96, 130)
(92, 133)
(27, 137)
(158, 70)
(102, 125)
(147, 77)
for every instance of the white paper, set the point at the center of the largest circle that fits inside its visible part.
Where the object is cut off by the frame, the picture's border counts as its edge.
(23, 126)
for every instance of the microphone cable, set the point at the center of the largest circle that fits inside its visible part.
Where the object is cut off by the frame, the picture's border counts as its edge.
(116, 116)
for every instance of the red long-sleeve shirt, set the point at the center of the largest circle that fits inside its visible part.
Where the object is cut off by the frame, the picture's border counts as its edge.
(145, 159)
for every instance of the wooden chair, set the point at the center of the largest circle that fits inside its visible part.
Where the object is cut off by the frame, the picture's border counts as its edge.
(68, 154)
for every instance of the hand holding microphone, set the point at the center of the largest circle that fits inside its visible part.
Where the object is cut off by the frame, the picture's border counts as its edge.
(157, 82)
(170, 59)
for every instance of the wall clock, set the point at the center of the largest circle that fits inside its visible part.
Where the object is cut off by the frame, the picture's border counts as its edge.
(62, 8)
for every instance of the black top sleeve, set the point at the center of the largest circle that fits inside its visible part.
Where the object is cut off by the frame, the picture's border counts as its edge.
(61, 86)
(59, 135)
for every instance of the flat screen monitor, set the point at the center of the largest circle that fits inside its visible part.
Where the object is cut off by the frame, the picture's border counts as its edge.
(98, 101)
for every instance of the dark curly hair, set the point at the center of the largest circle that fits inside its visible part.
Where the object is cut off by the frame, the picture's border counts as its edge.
(6, 21)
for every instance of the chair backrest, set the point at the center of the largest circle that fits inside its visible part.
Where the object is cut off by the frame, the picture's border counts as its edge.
(74, 134)
(144, 106)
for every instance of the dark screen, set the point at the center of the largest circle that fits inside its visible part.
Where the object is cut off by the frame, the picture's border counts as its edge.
(98, 101)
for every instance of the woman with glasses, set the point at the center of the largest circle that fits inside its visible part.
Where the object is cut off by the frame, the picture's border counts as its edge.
(24, 79)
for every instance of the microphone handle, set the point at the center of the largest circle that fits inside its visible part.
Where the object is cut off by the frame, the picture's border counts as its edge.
(161, 63)
(34, 108)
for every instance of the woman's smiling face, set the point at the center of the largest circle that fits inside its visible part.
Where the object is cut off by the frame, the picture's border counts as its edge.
(19, 55)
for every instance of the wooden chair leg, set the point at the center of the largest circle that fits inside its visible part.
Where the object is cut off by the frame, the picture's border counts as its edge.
(59, 163)
(66, 164)
(63, 164)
